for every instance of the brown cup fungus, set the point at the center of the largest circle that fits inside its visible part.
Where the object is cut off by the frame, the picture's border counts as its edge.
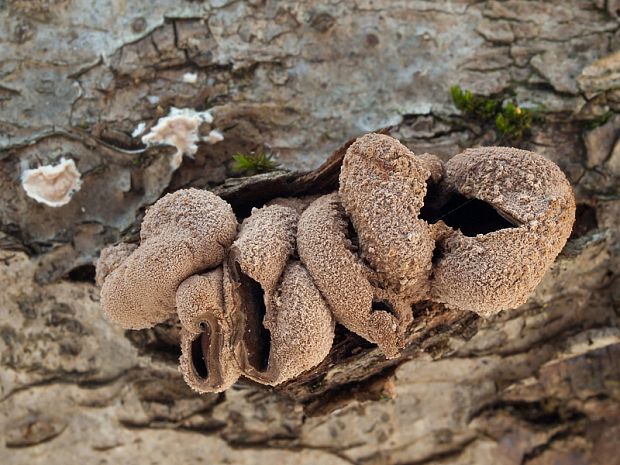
(208, 360)
(285, 325)
(345, 281)
(477, 234)
(110, 259)
(382, 187)
(301, 328)
(182, 234)
(496, 262)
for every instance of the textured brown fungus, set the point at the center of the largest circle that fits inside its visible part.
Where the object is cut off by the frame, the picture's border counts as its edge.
(382, 187)
(434, 166)
(476, 234)
(207, 360)
(199, 298)
(286, 327)
(301, 328)
(299, 204)
(182, 234)
(256, 261)
(498, 262)
(344, 281)
(110, 259)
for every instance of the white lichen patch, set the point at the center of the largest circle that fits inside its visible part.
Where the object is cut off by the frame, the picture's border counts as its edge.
(190, 78)
(180, 129)
(214, 137)
(52, 185)
(139, 130)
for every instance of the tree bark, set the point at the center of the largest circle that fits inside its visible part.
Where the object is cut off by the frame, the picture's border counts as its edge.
(536, 385)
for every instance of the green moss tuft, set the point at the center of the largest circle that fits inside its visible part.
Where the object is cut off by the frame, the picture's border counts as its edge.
(254, 164)
(599, 120)
(511, 121)
(474, 105)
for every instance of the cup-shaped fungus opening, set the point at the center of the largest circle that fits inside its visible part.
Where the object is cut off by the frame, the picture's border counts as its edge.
(207, 354)
(469, 215)
(297, 330)
(207, 358)
(255, 264)
(256, 338)
(512, 212)
(383, 306)
(200, 351)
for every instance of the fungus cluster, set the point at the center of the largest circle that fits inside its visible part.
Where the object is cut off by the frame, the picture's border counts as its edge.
(261, 299)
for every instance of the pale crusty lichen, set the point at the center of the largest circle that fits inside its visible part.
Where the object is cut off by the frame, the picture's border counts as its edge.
(214, 137)
(52, 185)
(180, 128)
(190, 78)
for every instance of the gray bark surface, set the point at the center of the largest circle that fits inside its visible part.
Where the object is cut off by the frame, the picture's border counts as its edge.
(539, 385)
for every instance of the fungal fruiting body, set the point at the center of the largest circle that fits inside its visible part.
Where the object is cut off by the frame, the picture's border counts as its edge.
(286, 325)
(208, 360)
(532, 194)
(180, 129)
(344, 280)
(476, 234)
(183, 234)
(52, 185)
(382, 187)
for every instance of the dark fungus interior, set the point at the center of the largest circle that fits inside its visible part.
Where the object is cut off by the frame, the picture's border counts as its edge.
(471, 216)
(351, 234)
(383, 306)
(256, 338)
(200, 350)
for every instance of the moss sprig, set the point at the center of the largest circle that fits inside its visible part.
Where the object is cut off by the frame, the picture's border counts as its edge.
(600, 120)
(511, 121)
(251, 164)
(514, 121)
(474, 105)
